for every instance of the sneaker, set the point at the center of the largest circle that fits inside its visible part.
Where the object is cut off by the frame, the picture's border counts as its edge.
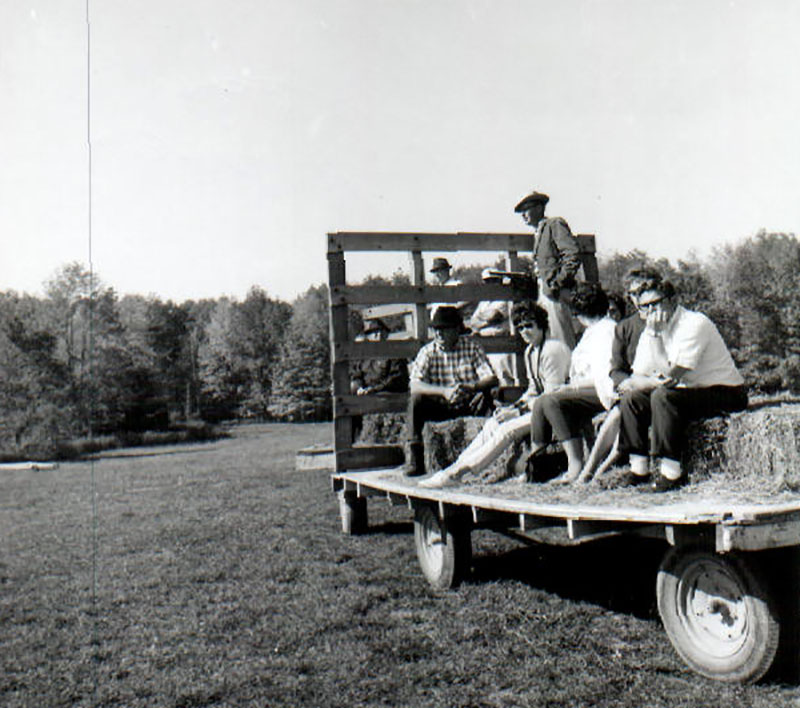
(439, 480)
(665, 484)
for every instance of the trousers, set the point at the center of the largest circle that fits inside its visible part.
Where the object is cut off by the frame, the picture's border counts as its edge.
(563, 414)
(666, 412)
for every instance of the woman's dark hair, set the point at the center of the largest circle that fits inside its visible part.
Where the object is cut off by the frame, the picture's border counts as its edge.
(640, 275)
(618, 300)
(524, 312)
(589, 300)
(665, 288)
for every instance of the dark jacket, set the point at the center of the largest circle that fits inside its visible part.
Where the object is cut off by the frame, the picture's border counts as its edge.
(623, 349)
(555, 253)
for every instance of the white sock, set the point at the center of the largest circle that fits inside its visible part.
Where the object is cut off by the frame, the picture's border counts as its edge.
(669, 468)
(639, 465)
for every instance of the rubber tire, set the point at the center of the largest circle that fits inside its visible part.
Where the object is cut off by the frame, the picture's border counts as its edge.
(717, 614)
(444, 549)
(353, 513)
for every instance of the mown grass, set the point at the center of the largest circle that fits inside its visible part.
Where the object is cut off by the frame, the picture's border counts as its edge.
(216, 575)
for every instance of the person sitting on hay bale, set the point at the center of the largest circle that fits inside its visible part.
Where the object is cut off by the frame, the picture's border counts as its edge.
(450, 377)
(565, 413)
(696, 378)
(605, 451)
(547, 363)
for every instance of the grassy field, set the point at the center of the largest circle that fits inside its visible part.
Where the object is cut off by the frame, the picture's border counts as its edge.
(216, 575)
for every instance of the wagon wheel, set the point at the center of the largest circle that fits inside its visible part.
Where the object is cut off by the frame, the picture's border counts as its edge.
(717, 614)
(353, 513)
(444, 548)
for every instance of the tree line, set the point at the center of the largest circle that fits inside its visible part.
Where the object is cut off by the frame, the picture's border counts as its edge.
(83, 361)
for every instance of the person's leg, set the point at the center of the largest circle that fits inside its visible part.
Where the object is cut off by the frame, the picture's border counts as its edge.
(604, 450)
(559, 320)
(487, 446)
(421, 409)
(635, 416)
(568, 413)
(673, 408)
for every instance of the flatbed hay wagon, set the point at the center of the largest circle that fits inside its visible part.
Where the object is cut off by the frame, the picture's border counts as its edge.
(717, 595)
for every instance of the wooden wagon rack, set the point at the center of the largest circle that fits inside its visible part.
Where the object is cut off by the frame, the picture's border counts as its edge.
(415, 297)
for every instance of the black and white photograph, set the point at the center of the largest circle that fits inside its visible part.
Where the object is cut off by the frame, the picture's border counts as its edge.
(399, 353)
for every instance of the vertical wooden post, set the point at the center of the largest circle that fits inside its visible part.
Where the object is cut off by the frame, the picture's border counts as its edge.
(520, 375)
(340, 367)
(420, 311)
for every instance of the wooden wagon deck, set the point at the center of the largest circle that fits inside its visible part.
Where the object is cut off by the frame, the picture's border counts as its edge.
(691, 515)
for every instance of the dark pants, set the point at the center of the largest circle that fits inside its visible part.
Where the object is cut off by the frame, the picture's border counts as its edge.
(563, 414)
(669, 411)
(422, 408)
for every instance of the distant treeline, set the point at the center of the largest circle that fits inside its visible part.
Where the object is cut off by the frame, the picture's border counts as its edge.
(82, 361)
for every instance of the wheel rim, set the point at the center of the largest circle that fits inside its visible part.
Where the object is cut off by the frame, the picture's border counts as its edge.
(712, 608)
(432, 546)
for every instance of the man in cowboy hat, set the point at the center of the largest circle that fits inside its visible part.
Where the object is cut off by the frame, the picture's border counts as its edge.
(449, 377)
(490, 319)
(555, 254)
(442, 273)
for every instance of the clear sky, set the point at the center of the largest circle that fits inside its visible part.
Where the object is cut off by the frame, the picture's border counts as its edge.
(229, 136)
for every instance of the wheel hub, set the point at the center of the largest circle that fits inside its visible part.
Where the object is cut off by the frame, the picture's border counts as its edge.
(712, 608)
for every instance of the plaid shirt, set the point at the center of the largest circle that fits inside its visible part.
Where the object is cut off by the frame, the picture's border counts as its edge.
(467, 363)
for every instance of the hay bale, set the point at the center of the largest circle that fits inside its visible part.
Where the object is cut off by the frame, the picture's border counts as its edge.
(382, 428)
(761, 444)
(757, 449)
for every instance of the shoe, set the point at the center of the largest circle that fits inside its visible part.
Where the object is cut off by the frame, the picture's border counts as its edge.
(665, 484)
(439, 480)
(629, 479)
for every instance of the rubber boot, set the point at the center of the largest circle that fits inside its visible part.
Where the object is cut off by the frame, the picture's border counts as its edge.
(414, 465)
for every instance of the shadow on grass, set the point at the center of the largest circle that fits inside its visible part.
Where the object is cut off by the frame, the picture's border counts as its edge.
(618, 574)
(392, 528)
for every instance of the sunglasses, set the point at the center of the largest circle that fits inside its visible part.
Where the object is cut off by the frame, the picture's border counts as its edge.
(652, 304)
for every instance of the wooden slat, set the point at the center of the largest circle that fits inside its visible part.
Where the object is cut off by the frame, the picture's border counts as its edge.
(378, 403)
(356, 458)
(445, 242)
(413, 294)
(578, 529)
(388, 349)
(776, 534)
(407, 348)
(420, 319)
(340, 369)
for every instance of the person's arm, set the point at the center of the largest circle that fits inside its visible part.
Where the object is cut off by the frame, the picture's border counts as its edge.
(620, 366)
(569, 260)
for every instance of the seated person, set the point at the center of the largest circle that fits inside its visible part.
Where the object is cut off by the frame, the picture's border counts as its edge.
(626, 338)
(564, 413)
(378, 375)
(490, 319)
(450, 377)
(692, 375)
(547, 364)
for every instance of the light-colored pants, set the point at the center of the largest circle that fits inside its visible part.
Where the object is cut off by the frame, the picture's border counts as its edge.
(559, 319)
(490, 442)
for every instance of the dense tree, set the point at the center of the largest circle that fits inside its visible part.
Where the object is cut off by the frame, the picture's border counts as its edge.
(301, 387)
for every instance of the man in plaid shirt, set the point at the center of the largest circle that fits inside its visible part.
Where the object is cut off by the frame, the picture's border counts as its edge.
(450, 377)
